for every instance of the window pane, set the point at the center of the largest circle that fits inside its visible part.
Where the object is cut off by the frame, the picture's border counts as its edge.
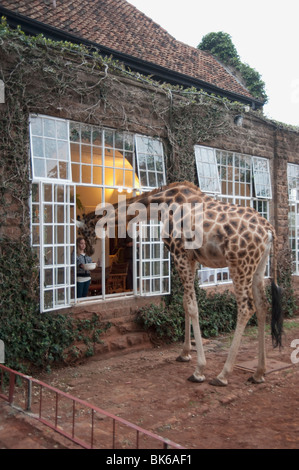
(39, 168)
(97, 137)
(36, 126)
(109, 138)
(37, 147)
(62, 130)
(52, 169)
(262, 182)
(74, 132)
(63, 153)
(86, 174)
(49, 127)
(97, 175)
(97, 155)
(64, 170)
(85, 133)
(86, 154)
(207, 169)
(150, 162)
(48, 277)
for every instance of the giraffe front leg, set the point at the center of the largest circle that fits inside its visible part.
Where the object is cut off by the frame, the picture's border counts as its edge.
(192, 309)
(186, 269)
(185, 355)
(198, 375)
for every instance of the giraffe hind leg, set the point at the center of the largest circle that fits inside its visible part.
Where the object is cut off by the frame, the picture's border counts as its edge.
(259, 295)
(245, 311)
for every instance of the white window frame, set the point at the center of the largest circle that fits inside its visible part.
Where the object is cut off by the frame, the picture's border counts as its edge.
(150, 162)
(94, 146)
(50, 149)
(261, 180)
(293, 196)
(152, 260)
(207, 170)
(55, 296)
(57, 245)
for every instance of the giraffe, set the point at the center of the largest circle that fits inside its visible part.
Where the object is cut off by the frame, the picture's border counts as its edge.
(233, 236)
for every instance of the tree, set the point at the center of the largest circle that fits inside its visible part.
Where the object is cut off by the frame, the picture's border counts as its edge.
(220, 45)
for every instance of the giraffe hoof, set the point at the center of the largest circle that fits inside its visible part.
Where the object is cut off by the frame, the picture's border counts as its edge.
(256, 381)
(200, 379)
(217, 383)
(183, 358)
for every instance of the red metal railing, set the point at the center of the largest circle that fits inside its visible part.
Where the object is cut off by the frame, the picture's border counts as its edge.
(77, 420)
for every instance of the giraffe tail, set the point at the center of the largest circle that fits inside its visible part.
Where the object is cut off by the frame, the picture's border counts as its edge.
(277, 314)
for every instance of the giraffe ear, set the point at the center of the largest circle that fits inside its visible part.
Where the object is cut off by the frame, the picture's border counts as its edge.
(80, 224)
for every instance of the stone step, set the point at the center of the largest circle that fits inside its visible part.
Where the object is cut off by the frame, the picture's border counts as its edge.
(123, 336)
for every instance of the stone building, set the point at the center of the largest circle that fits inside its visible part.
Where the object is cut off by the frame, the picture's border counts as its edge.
(105, 103)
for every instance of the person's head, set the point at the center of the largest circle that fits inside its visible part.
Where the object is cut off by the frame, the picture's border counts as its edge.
(81, 244)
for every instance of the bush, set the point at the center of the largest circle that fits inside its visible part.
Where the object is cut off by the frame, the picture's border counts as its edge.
(220, 45)
(32, 339)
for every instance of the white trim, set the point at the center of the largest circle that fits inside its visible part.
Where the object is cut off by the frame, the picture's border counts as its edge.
(207, 170)
(146, 283)
(66, 266)
(293, 197)
(55, 139)
(158, 175)
(260, 173)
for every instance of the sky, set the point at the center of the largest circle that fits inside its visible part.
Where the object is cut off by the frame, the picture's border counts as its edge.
(264, 32)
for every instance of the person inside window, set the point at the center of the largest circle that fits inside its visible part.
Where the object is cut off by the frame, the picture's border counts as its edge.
(83, 276)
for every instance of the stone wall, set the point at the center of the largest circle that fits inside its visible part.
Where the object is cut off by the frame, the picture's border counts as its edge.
(126, 104)
(261, 137)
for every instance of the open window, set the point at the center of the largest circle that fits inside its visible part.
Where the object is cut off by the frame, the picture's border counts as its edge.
(76, 167)
(152, 259)
(207, 171)
(150, 162)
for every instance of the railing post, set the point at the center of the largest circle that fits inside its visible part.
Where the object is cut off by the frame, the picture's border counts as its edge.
(29, 395)
(12, 379)
(113, 437)
(92, 428)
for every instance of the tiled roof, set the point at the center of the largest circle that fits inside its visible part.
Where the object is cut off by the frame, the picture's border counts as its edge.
(118, 25)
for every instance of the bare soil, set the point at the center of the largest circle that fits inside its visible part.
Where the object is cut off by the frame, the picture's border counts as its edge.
(150, 388)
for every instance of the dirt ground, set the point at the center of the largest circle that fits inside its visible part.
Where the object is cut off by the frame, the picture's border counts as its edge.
(150, 389)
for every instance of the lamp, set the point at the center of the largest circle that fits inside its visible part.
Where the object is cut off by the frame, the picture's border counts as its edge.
(238, 120)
